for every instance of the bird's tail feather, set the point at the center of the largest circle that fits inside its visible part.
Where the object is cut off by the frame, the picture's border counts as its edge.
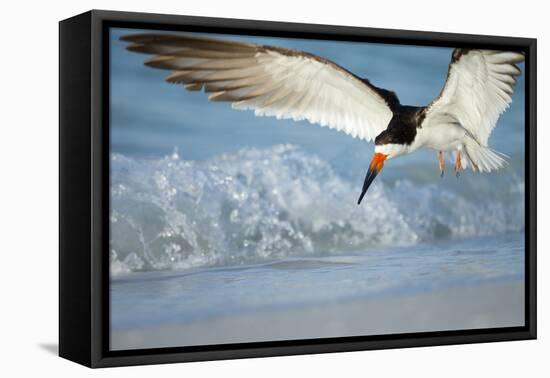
(483, 159)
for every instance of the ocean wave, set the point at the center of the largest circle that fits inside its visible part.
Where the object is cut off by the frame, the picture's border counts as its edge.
(262, 204)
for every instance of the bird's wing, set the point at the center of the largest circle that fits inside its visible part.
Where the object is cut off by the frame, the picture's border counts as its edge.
(271, 81)
(478, 90)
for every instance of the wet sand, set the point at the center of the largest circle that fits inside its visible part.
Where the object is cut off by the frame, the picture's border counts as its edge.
(486, 305)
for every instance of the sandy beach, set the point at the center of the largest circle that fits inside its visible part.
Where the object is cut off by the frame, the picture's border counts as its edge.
(466, 307)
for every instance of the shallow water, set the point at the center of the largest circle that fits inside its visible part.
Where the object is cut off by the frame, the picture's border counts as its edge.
(158, 299)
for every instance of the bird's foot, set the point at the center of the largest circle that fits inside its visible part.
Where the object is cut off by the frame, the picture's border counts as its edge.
(458, 164)
(441, 164)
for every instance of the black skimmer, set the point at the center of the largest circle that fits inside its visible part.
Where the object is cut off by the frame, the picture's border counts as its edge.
(286, 83)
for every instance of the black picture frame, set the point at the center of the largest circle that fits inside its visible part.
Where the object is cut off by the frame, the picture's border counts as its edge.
(84, 189)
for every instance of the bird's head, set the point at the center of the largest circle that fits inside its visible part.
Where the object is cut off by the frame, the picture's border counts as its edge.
(386, 147)
(394, 141)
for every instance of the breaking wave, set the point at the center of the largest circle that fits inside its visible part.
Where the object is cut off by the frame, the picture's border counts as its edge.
(258, 205)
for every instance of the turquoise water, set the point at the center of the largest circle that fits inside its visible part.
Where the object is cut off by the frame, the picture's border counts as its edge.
(155, 298)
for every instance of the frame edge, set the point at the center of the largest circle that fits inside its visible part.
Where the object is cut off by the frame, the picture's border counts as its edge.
(531, 112)
(75, 336)
(100, 359)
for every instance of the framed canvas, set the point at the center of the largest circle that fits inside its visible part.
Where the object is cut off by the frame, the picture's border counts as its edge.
(214, 202)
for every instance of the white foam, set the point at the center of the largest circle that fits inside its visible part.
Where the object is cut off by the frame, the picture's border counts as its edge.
(257, 205)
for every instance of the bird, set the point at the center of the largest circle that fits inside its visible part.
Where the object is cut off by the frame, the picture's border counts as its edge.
(293, 84)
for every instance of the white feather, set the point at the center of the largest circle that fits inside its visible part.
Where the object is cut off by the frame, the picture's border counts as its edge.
(478, 90)
(282, 83)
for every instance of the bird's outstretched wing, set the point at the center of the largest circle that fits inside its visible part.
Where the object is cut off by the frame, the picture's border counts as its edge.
(271, 81)
(478, 90)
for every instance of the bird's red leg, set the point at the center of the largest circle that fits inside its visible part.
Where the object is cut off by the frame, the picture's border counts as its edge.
(458, 164)
(441, 163)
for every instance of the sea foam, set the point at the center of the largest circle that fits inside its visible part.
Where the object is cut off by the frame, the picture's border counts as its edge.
(257, 205)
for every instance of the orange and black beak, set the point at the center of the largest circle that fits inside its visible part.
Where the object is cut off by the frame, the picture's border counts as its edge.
(375, 167)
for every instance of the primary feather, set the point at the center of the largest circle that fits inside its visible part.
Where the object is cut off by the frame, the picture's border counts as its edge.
(271, 81)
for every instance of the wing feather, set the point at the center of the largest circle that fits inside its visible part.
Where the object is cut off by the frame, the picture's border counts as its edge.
(479, 88)
(272, 81)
